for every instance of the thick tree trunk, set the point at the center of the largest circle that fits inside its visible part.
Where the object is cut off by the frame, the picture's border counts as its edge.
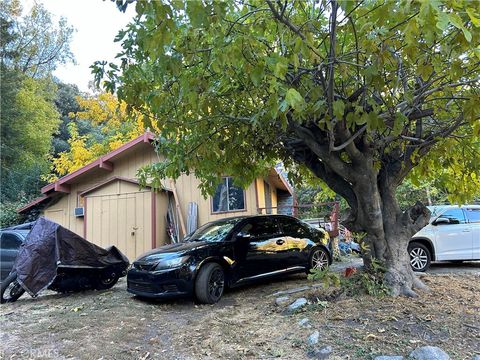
(388, 231)
(370, 192)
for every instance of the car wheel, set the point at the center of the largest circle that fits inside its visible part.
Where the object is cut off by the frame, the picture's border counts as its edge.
(420, 256)
(210, 283)
(319, 260)
(11, 290)
(107, 281)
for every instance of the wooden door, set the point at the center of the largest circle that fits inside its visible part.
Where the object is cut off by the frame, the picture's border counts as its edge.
(122, 220)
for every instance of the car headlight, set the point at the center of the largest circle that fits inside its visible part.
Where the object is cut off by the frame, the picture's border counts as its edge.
(171, 263)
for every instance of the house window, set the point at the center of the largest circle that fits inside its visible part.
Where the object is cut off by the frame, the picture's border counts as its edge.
(228, 197)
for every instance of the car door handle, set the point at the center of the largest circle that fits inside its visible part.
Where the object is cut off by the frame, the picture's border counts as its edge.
(280, 242)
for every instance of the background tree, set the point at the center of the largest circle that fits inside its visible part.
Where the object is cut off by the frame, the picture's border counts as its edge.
(357, 93)
(39, 45)
(29, 117)
(99, 125)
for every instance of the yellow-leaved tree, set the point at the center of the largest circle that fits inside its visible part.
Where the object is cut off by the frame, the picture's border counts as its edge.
(115, 124)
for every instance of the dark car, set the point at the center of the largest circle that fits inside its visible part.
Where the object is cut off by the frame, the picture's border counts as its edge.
(227, 253)
(10, 241)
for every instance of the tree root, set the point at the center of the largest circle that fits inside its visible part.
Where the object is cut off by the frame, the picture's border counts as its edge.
(403, 283)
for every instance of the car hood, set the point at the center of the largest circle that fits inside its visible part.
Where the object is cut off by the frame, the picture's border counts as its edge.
(171, 251)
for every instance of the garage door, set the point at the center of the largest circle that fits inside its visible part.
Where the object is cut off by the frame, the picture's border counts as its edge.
(122, 220)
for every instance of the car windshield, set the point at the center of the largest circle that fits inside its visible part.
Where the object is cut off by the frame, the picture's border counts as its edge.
(212, 232)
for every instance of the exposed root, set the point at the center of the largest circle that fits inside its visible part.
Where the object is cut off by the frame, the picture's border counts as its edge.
(403, 283)
(405, 291)
(419, 284)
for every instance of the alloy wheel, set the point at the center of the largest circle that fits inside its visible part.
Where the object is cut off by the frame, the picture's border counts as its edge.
(319, 260)
(216, 284)
(418, 258)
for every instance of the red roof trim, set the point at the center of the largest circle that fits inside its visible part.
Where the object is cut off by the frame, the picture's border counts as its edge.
(32, 203)
(146, 137)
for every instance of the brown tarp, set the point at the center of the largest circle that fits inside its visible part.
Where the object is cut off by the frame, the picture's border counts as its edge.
(49, 245)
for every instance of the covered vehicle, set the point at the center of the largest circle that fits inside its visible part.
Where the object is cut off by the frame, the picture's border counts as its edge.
(56, 258)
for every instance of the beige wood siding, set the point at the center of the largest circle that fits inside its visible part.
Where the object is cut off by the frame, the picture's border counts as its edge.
(261, 195)
(123, 220)
(188, 191)
(161, 207)
(58, 212)
(113, 210)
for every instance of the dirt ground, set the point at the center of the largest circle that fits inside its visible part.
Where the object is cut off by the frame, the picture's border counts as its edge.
(245, 324)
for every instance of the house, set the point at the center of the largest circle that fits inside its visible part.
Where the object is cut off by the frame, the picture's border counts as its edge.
(104, 203)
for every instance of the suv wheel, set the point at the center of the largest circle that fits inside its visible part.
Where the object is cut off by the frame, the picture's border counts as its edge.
(210, 283)
(420, 256)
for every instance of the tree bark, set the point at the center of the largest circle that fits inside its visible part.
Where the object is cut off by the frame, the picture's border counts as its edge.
(389, 231)
(374, 211)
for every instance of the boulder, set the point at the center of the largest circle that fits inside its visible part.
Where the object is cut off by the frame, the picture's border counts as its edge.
(313, 338)
(429, 353)
(304, 323)
(321, 353)
(297, 305)
(282, 300)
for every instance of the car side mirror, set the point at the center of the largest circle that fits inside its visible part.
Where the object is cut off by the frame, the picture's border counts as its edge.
(441, 220)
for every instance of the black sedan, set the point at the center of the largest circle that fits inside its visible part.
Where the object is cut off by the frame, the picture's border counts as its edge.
(227, 253)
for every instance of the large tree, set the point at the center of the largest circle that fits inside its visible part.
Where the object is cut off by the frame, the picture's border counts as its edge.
(38, 44)
(31, 46)
(358, 93)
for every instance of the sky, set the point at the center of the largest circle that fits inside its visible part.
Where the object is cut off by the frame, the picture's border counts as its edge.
(97, 22)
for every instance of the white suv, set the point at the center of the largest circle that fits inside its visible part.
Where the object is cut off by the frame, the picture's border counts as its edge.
(453, 234)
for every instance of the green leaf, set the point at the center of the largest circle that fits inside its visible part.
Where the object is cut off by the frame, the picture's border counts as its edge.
(338, 109)
(257, 75)
(473, 17)
(442, 21)
(294, 99)
(400, 121)
(467, 34)
(281, 68)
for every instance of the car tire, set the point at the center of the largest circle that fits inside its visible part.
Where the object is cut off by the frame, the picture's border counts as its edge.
(107, 281)
(210, 283)
(12, 288)
(420, 256)
(318, 259)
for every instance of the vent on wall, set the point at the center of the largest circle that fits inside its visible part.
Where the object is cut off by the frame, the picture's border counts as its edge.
(79, 211)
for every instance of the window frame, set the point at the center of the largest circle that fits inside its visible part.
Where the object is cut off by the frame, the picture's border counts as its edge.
(212, 212)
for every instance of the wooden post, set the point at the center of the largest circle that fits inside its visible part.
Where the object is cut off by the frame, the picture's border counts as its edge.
(179, 208)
